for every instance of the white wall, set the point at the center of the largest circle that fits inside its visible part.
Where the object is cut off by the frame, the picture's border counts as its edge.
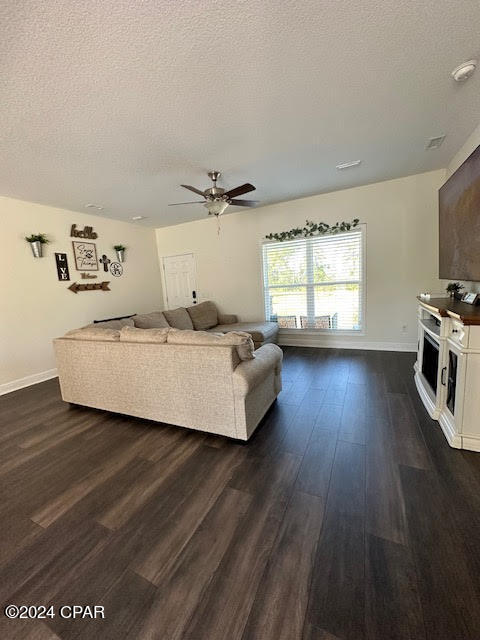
(402, 253)
(36, 307)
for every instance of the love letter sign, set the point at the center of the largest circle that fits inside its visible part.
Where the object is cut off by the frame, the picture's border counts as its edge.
(62, 266)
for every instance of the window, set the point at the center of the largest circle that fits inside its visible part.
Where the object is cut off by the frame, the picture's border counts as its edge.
(315, 283)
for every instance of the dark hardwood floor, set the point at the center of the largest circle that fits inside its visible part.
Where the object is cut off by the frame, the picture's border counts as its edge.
(347, 516)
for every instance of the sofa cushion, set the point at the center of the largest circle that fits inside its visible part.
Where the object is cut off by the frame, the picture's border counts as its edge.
(154, 320)
(203, 315)
(178, 318)
(133, 334)
(242, 341)
(260, 331)
(93, 332)
(227, 318)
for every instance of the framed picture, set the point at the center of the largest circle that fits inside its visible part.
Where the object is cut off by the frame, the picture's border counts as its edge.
(470, 298)
(85, 255)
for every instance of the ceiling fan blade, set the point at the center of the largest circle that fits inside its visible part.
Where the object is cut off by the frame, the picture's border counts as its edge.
(175, 204)
(194, 189)
(244, 203)
(239, 191)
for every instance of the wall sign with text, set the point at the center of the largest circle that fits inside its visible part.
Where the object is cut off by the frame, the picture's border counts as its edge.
(87, 233)
(85, 254)
(62, 266)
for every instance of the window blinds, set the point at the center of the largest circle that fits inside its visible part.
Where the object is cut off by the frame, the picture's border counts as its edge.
(315, 283)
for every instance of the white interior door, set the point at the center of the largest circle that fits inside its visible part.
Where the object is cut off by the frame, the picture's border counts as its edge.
(180, 281)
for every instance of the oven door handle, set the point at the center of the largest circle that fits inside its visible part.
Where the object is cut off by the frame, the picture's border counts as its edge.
(444, 370)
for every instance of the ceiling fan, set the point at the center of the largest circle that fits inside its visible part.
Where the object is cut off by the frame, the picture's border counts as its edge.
(216, 199)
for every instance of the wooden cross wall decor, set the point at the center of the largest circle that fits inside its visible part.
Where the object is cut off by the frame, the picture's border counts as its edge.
(94, 286)
(105, 261)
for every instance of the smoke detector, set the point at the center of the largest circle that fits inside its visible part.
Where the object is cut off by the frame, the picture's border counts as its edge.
(464, 70)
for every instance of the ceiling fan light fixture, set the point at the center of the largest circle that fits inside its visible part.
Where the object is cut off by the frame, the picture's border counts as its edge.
(217, 199)
(216, 207)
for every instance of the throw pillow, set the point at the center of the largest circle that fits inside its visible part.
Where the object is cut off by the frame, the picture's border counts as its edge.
(154, 320)
(178, 318)
(203, 315)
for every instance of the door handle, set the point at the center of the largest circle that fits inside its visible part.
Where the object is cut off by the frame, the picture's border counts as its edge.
(194, 296)
(444, 370)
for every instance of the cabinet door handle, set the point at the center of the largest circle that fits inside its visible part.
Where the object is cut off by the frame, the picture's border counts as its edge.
(444, 370)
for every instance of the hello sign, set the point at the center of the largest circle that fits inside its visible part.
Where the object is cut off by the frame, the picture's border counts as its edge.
(87, 232)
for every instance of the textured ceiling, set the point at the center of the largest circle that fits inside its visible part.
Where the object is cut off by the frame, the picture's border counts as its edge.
(117, 102)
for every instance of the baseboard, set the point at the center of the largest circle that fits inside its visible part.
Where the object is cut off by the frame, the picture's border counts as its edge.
(8, 387)
(472, 444)
(335, 342)
(453, 439)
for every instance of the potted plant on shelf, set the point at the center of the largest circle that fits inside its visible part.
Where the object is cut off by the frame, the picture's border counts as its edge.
(120, 249)
(454, 288)
(36, 241)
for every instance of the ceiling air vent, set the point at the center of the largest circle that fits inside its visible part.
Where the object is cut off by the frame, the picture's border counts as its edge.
(434, 143)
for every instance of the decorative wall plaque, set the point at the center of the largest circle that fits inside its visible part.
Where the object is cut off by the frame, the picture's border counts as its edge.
(105, 261)
(62, 266)
(88, 276)
(116, 269)
(94, 286)
(85, 254)
(87, 233)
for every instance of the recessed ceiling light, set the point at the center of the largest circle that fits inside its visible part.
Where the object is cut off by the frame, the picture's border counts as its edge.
(347, 165)
(434, 143)
(464, 70)
(90, 205)
(136, 218)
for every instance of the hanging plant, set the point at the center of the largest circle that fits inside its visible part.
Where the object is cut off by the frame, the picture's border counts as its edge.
(120, 251)
(313, 229)
(36, 241)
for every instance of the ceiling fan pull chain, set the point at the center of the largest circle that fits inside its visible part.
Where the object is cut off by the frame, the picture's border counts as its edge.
(218, 225)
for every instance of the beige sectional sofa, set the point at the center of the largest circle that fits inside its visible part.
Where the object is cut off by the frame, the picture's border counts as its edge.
(201, 317)
(208, 381)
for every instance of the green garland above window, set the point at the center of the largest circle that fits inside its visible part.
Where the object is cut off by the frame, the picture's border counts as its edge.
(313, 229)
